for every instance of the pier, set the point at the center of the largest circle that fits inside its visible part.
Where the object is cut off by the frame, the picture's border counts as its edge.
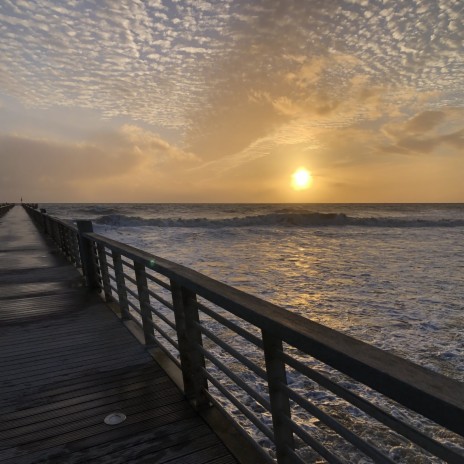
(90, 326)
(66, 362)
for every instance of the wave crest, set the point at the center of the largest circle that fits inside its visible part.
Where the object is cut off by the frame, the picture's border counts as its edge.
(298, 219)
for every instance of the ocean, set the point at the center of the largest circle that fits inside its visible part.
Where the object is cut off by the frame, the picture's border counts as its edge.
(389, 274)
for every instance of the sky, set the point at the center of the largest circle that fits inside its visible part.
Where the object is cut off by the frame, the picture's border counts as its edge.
(222, 101)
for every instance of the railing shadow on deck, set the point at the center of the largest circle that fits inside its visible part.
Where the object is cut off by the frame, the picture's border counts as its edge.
(302, 390)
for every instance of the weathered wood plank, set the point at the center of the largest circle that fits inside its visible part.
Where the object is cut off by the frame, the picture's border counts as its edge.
(96, 448)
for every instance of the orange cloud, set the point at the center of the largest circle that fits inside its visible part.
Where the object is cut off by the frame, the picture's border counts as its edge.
(114, 160)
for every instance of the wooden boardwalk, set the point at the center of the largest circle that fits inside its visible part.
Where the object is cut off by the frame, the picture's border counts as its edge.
(66, 361)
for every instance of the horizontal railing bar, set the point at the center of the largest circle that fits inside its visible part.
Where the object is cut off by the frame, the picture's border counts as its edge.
(336, 426)
(114, 288)
(161, 300)
(131, 292)
(167, 353)
(166, 336)
(246, 412)
(241, 383)
(313, 443)
(162, 317)
(65, 222)
(130, 279)
(158, 281)
(407, 430)
(110, 265)
(251, 365)
(232, 326)
(127, 264)
(134, 306)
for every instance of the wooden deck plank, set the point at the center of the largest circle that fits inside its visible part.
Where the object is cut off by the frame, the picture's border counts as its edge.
(95, 430)
(32, 402)
(32, 290)
(96, 448)
(63, 408)
(40, 434)
(66, 415)
(146, 444)
(66, 361)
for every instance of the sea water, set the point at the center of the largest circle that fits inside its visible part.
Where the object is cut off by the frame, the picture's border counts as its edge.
(391, 275)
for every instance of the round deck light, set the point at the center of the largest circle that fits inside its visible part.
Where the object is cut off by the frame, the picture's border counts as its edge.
(115, 418)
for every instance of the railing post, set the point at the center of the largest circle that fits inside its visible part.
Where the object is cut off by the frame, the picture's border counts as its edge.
(280, 403)
(68, 244)
(42, 221)
(189, 338)
(121, 285)
(55, 234)
(64, 240)
(86, 252)
(144, 302)
(104, 272)
(47, 225)
(75, 247)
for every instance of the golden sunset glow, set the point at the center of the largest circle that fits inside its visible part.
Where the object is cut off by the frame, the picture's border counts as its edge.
(174, 101)
(301, 179)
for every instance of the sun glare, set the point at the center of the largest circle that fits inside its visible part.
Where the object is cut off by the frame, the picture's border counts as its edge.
(301, 179)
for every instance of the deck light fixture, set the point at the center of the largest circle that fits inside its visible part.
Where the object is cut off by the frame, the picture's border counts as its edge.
(115, 418)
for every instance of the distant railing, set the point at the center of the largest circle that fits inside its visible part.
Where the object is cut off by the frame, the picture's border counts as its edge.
(308, 391)
(5, 207)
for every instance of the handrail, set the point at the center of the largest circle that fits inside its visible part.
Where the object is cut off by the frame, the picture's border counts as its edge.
(147, 280)
(5, 207)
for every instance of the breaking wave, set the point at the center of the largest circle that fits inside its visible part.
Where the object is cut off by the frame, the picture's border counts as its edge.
(288, 218)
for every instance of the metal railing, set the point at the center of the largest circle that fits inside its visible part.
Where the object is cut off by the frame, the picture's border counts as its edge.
(5, 207)
(301, 389)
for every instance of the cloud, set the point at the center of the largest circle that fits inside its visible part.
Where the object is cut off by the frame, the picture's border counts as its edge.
(426, 132)
(425, 121)
(136, 59)
(234, 83)
(156, 63)
(153, 145)
(334, 64)
(116, 159)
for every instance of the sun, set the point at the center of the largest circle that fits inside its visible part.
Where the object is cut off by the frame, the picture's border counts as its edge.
(301, 179)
